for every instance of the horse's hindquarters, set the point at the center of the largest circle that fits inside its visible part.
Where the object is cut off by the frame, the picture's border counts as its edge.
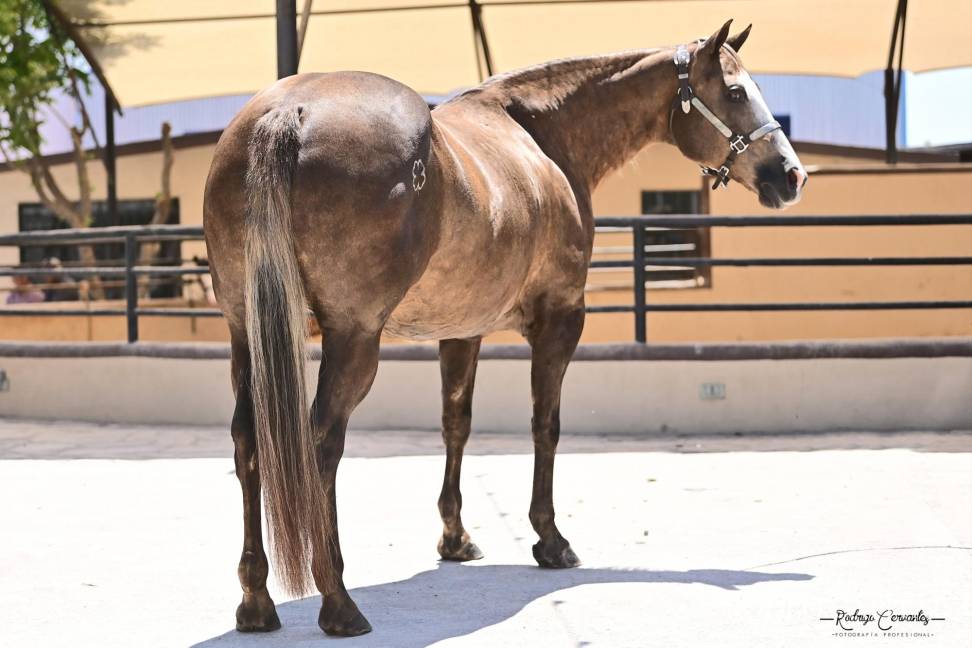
(358, 232)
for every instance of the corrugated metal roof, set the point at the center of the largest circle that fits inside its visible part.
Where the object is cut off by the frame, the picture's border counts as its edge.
(825, 110)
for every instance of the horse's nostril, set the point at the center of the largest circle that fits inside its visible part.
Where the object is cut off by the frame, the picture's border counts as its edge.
(796, 178)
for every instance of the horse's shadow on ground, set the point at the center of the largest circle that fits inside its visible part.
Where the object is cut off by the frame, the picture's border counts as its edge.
(455, 600)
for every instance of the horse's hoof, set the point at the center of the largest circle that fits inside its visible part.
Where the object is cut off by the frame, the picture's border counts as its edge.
(343, 620)
(257, 614)
(559, 556)
(459, 551)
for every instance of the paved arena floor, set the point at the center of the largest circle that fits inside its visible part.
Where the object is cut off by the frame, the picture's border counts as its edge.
(129, 536)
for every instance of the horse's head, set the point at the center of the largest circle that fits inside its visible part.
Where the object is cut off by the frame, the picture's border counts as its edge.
(719, 103)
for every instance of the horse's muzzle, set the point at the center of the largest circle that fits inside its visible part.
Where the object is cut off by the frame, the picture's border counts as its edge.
(780, 184)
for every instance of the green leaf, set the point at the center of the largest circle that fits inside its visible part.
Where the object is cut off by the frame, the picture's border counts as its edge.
(36, 62)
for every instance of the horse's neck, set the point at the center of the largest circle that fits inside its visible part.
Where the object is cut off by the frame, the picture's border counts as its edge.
(598, 115)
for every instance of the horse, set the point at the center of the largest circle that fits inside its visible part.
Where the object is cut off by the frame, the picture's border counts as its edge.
(342, 193)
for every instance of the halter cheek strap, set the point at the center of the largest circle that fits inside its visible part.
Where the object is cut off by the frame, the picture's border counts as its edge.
(738, 142)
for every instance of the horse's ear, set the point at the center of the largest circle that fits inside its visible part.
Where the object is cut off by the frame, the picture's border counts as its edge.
(736, 42)
(715, 42)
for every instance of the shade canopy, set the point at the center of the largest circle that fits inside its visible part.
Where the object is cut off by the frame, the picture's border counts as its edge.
(153, 52)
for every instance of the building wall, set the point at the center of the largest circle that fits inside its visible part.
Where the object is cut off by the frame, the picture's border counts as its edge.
(662, 167)
(658, 168)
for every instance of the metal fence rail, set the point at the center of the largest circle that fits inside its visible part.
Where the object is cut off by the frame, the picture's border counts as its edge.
(638, 226)
(131, 236)
(640, 260)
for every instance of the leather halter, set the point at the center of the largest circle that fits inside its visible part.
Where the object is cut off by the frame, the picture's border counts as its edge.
(738, 142)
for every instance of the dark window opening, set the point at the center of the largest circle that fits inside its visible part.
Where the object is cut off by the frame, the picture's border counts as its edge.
(785, 123)
(35, 216)
(670, 202)
(675, 243)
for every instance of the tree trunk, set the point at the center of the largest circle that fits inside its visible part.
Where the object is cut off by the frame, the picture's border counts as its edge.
(163, 208)
(84, 216)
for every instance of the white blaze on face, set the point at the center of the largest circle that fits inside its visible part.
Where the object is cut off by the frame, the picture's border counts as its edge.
(762, 115)
(761, 112)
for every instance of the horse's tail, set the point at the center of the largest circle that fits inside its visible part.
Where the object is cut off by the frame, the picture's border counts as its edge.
(276, 323)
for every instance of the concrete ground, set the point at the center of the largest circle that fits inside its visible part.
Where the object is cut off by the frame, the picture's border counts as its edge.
(129, 536)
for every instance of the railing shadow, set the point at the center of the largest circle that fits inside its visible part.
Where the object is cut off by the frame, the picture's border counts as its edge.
(455, 600)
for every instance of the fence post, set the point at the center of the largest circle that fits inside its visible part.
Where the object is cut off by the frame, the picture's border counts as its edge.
(639, 283)
(131, 292)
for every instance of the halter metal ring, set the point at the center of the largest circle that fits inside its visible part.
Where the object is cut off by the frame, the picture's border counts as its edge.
(739, 145)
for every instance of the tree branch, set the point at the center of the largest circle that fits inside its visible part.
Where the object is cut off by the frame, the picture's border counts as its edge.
(40, 167)
(43, 182)
(163, 204)
(84, 185)
(85, 116)
(58, 204)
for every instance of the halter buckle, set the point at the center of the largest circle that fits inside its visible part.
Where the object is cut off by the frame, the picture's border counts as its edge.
(685, 94)
(721, 175)
(738, 144)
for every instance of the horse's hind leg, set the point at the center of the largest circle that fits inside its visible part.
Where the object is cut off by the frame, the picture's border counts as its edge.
(256, 613)
(348, 367)
(457, 361)
(553, 336)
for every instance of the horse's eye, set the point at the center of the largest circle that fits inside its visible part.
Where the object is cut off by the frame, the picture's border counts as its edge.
(737, 94)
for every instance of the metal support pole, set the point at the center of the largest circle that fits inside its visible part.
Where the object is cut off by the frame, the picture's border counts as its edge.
(131, 292)
(639, 284)
(286, 38)
(302, 31)
(481, 42)
(892, 82)
(112, 191)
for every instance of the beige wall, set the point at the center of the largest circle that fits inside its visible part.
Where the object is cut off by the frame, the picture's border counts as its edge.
(625, 397)
(90, 329)
(660, 167)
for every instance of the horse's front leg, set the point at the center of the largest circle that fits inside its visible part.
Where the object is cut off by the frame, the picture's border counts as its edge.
(256, 613)
(348, 367)
(457, 361)
(553, 336)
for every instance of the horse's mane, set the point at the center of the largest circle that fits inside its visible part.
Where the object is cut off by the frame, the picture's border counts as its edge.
(571, 105)
(543, 87)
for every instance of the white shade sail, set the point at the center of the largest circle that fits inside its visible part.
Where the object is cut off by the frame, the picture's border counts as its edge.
(154, 52)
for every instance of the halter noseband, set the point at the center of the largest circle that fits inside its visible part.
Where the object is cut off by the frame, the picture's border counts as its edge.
(738, 142)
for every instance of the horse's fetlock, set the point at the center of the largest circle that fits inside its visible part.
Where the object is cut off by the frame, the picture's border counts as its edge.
(453, 421)
(541, 518)
(253, 571)
(449, 506)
